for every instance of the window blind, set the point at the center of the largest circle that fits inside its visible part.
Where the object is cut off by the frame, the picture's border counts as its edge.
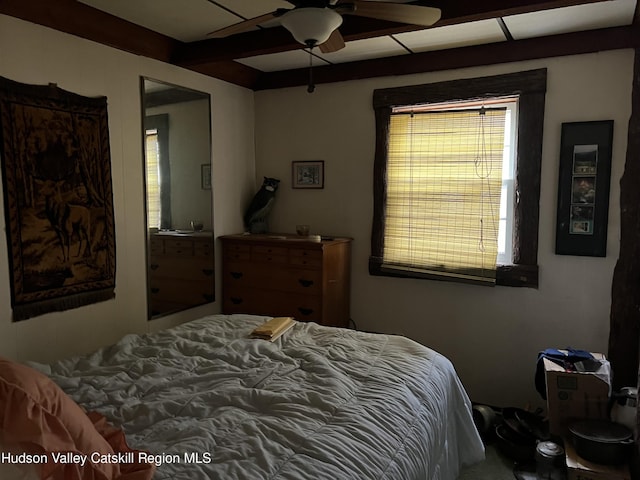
(444, 180)
(153, 179)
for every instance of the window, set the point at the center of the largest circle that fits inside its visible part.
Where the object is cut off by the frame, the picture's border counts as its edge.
(158, 172)
(507, 196)
(153, 179)
(436, 217)
(445, 182)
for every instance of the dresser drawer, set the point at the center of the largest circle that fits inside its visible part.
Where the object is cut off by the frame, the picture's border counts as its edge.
(234, 256)
(159, 306)
(188, 292)
(189, 268)
(156, 246)
(235, 251)
(295, 280)
(261, 302)
(309, 258)
(178, 246)
(203, 249)
(261, 253)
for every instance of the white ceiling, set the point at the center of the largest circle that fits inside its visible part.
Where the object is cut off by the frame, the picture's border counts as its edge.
(191, 20)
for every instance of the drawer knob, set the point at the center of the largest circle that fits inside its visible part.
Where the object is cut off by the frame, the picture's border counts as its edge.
(305, 311)
(155, 289)
(305, 283)
(236, 300)
(236, 275)
(154, 266)
(208, 297)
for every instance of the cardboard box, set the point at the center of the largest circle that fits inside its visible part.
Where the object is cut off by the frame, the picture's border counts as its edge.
(576, 395)
(581, 469)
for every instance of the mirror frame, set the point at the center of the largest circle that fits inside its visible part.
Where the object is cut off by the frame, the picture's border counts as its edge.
(172, 94)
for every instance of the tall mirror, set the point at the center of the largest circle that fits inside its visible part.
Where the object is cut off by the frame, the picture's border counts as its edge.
(177, 164)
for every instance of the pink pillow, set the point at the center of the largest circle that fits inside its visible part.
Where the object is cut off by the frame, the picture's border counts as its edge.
(37, 417)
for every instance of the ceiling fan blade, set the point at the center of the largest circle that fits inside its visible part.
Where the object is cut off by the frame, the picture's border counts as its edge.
(335, 43)
(396, 12)
(243, 26)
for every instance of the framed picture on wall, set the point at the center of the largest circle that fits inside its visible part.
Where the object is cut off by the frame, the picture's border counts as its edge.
(308, 174)
(583, 188)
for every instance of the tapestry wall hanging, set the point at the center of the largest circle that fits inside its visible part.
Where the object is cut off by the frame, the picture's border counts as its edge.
(58, 198)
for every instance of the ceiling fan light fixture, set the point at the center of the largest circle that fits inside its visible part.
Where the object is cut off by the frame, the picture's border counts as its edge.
(311, 25)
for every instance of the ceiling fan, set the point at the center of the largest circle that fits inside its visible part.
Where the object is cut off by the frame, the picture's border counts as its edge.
(315, 22)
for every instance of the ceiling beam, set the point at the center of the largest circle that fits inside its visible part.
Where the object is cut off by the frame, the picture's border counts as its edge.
(81, 20)
(474, 56)
(230, 71)
(277, 39)
(76, 18)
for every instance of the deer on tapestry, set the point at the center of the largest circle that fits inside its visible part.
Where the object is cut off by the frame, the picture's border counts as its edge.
(67, 220)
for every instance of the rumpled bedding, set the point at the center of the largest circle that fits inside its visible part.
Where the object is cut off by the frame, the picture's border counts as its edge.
(318, 403)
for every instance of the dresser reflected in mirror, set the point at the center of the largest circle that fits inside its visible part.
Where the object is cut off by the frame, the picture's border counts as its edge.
(179, 211)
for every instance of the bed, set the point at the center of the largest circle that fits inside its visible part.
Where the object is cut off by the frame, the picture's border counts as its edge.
(205, 401)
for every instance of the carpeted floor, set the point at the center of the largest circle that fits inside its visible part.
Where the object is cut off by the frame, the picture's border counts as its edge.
(495, 467)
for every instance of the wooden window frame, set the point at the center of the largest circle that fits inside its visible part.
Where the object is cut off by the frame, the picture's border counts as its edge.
(530, 87)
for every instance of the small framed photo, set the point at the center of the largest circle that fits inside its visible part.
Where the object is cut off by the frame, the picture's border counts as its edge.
(307, 174)
(205, 176)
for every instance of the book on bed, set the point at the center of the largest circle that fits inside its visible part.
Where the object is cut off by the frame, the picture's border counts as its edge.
(273, 329)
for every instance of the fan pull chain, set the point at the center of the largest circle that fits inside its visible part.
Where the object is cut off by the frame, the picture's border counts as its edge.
(311, 87)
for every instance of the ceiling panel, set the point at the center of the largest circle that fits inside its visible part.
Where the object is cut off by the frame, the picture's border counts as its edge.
(250, 8)
(451, 36)
(281, 61)
(590, 16)
(186, 20)
(363, 49)
(353, 51)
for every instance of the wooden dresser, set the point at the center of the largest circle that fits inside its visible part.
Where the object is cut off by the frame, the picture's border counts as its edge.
(181, 271)
(287, 275)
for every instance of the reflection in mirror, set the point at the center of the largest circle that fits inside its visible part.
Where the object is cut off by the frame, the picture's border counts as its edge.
(177, 153)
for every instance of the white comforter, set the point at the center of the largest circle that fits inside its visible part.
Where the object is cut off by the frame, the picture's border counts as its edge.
(319, 403)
